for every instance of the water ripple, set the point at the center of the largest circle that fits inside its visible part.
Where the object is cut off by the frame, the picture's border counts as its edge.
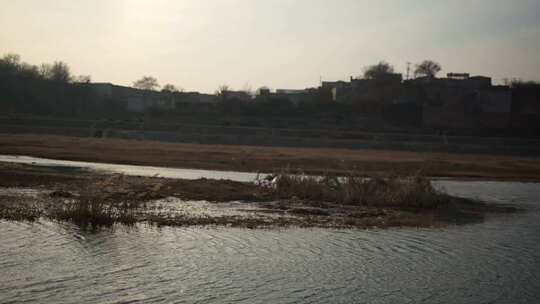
(495, 261)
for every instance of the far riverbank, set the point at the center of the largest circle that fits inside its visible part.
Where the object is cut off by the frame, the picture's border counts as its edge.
(271, 159)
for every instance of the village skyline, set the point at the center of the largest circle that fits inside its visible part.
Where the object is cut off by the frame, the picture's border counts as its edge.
(202, 45)
(149, 82)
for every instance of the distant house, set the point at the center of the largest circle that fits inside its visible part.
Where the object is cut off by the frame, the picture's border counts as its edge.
(495, 100)
(135, 100)
(445, 116)
(194, 97)
(190, 101)
(237, 95)
(361, 90)
(337, 88)
(458, 80)
(526, 108)
(135, 103)
(290, 91)
(495, 107)
(477, 82)
(292, 95)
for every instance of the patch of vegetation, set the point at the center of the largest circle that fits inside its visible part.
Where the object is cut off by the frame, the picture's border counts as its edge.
(399, 191)
(350, 201)
(94, 212)
(12, 210)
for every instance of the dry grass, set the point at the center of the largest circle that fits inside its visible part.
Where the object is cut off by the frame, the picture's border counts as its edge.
(298, 200)
(95, 212)
(268, 159)
(112, 199)
(413, 191)
(12, 209)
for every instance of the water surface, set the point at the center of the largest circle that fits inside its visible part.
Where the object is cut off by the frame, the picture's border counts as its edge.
(497, 261)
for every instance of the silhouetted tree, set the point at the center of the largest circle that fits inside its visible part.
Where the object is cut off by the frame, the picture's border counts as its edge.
(45, 71)
(222, 90)
(58, 72)
(518, 83)
(169, 88)
(82, 79)
(29, 71)
(248, 90)
(427, 68)
(262, 90)
(378, 70)
(10, 62)
(146, 83)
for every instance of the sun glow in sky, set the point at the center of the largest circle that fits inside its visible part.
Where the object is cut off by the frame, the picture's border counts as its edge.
(199, 45)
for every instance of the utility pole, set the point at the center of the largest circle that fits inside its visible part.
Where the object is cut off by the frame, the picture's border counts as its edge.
(408, 70)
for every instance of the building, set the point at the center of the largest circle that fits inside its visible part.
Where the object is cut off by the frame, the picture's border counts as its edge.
(194, 97)
(457, 80)
(290, 91)
(236, 95)
(337, 88)
(292, 95)
(135, 100)
(495, 107)
(526, 108)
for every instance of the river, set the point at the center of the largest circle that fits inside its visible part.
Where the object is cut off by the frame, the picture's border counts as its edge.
(495, 261)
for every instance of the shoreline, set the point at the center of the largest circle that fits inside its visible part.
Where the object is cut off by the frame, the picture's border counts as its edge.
(92, 199)
(271, 159)
(80, 165)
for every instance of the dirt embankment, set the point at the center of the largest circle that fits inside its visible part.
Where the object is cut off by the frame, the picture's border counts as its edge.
(270, 159)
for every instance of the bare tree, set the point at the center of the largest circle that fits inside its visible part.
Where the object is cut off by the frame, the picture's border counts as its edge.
(11, 60)
(82, 79)
(519, 83)
(222, 89)
(29, 70)
(58, 71)
(427, 68)
(262, 90)
(45, 70)
(248, 89)
(378, 70)
(170, 88)
(146, 83)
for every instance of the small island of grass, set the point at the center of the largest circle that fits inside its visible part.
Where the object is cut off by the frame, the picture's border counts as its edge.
(347, 201)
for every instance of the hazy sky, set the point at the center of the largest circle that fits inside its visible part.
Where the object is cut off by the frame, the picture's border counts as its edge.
(201, 44)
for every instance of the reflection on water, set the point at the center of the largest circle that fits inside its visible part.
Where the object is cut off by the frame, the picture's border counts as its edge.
(497, 261)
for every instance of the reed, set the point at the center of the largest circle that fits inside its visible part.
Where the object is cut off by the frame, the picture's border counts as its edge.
(91, 211)
(391, 190)
(11, 209)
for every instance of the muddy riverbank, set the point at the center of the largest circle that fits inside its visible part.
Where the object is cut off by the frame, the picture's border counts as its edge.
(32, 192)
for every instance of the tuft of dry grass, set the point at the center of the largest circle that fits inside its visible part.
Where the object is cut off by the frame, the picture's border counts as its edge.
(402, 191)
(89, 211)
(11, 209)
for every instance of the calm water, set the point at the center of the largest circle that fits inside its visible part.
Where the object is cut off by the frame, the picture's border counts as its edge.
(497, 261)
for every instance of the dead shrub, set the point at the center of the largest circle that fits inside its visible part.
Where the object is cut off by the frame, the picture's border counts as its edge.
(87, 211)
(405, 191)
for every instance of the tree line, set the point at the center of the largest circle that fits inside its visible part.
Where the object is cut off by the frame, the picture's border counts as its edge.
(49, 89)
(426, 68)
